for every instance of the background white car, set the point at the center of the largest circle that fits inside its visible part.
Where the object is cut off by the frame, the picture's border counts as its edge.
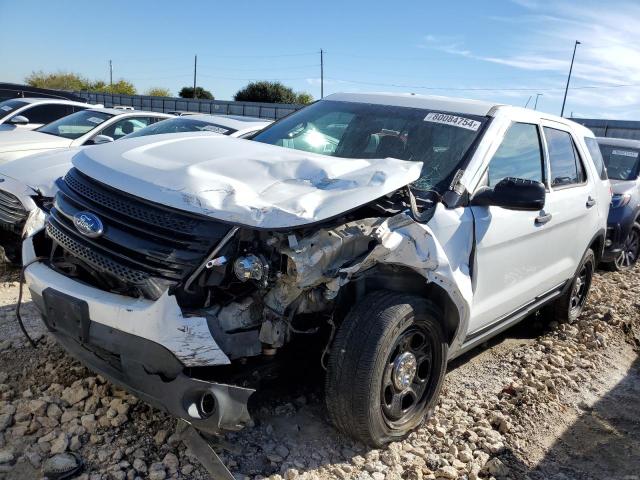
(31, 113)
(88, 127)
(231, 125)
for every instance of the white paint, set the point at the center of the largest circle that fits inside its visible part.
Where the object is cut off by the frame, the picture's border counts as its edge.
(243, 182)
(160, 321)
(24, 111)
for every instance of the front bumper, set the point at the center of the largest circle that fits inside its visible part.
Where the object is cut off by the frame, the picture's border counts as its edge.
(143, 346)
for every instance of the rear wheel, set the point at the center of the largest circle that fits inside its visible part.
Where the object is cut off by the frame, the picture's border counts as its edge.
(567, 308)
(628, 257)
(386, 367)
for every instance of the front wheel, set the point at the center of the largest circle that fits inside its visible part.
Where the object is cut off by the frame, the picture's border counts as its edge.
(630, 250)
(386, 367)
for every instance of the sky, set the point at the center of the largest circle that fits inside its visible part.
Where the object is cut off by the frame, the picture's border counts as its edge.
(506, 51)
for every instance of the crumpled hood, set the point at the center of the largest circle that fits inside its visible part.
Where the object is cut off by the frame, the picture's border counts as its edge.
(41, 170)
(22, 139)
(242, 181)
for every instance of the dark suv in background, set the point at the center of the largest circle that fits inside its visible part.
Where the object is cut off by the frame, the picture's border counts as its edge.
(623, 230)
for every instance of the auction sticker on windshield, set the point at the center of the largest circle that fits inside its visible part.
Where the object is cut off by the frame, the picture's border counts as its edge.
(625, 153)
(95, 120)
(453, 120)
(214, 129)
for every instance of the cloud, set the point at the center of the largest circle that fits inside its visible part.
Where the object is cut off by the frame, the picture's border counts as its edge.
(609, 54)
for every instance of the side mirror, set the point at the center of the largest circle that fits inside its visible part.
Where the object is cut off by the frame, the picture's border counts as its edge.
(513, 194)
(98, 139)
(19, 120)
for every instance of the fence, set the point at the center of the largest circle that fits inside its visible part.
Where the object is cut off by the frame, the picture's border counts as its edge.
(168, 104)
(611, 128)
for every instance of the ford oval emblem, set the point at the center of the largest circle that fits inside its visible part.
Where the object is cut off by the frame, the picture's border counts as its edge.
(88, 224)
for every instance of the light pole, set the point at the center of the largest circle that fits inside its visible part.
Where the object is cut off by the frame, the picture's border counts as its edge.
(575, 46)
(535, 105)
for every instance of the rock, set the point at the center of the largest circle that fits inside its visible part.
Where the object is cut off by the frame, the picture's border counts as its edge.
(69, 415)
(171, 462)
(63, 463)
(73, 395)
(60, 444)
(140, 466)
(6, 456)
(6, 420)
(160, 437)
(497, 468)
(54, 411)
(447, 472)
(282, 451)
(157, 472)
(38, 407)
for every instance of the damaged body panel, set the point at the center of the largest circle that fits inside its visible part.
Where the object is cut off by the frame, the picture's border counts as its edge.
(352, 220)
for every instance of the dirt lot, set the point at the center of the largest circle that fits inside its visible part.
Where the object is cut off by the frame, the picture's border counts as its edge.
(541, 401)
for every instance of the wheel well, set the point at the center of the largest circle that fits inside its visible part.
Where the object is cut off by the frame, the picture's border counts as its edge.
(404, 280)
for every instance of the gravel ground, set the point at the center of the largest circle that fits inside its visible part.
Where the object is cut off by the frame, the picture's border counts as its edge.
(540, 402)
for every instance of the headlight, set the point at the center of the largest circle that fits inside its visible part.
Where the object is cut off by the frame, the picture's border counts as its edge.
(620, 199)
(250, 267)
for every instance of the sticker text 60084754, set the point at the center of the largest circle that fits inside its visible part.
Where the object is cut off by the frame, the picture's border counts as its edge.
(453, 120)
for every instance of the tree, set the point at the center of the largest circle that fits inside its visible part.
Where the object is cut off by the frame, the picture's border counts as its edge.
(187, 92)
(57, 81)
(74, 81)
(158, 92)
(303, 98)
(266, 92)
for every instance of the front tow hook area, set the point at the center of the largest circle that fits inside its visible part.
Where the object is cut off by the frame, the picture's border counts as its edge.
(203, 450)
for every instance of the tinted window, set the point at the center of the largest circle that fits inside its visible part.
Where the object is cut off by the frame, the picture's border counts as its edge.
(77, 124)
(596, 155)
(622, 162)
(519, 155)
(9, 106)
(361, 130)
(183, 124)
(565, 164)
(46, 113)
(126, 126)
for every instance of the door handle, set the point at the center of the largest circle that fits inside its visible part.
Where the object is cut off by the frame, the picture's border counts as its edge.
(542, 219)
(591, 202)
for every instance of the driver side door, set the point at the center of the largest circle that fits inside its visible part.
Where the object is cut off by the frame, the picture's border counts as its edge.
(515, 260)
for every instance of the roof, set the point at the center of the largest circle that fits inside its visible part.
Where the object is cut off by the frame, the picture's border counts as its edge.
(117, 111)
(431, 102)
(235, 122)
(47, 100)
(619, 142)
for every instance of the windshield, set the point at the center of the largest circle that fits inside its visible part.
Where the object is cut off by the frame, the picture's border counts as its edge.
(621, 162)
(360, 130)
(182, 124)
(9, 106)
(75, 125)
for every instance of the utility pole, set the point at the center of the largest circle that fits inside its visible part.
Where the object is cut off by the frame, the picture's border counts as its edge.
(535, 105)
(528, 100)
(321, 73)
(195, 70)
(110, 74)
(575, 46)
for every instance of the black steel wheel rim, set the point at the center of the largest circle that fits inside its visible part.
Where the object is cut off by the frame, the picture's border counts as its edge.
(407, 376)
(580, 288)
(630, 250)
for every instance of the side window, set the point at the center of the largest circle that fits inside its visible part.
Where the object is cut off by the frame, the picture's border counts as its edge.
(596, 155)
(126, 126)
(519, 155)
(47, 113)
(565, 164)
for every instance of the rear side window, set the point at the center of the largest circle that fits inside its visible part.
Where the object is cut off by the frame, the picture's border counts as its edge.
(565, 164)
(596, 155)
(47, 113)
(519, 155)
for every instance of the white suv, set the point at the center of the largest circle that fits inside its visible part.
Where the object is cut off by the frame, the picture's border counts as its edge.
(393, 232)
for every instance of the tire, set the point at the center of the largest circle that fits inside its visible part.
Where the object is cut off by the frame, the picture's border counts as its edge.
(567, 308)
(386, 342)
(630, 251)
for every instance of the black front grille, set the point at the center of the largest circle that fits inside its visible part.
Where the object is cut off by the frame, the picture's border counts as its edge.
(144, 245)
(12, 213)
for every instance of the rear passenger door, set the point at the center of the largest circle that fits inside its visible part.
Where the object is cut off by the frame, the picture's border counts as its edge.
(572, 199)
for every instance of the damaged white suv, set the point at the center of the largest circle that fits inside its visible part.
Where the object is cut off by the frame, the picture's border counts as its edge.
(393, 232)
